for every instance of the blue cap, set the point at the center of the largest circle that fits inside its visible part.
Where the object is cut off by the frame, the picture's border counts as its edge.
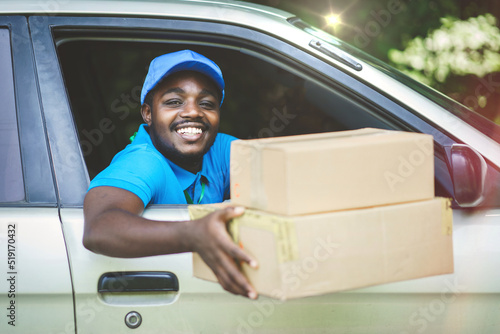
(185, 60)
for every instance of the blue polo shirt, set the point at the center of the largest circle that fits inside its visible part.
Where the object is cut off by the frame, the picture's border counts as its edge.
(141, 169)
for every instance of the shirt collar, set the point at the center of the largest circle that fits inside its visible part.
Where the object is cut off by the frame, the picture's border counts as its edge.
(186, 178)
(142, 136)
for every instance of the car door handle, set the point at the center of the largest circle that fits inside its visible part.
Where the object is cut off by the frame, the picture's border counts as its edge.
(143, 281)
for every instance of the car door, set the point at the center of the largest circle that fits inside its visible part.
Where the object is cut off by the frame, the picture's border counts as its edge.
(35, 287)
(112, 295)
(169, 298)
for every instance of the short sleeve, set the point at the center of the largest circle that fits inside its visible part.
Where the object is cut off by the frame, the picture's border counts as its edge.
(139, 171)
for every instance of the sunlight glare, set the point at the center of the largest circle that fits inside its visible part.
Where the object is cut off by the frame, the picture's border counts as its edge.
(332, 19)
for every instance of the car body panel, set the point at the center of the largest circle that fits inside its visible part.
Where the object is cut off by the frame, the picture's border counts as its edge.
(42, 294)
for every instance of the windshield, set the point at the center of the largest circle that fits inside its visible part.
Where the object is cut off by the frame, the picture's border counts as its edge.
(481, 123)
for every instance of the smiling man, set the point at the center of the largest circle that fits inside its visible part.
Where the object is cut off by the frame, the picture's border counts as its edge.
(177, 157)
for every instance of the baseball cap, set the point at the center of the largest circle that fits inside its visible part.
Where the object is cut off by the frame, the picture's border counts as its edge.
(185, 60)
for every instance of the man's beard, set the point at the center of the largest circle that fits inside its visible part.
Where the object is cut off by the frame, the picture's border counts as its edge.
(172, 154)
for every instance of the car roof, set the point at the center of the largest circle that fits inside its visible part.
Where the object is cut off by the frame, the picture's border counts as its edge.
(213, 10)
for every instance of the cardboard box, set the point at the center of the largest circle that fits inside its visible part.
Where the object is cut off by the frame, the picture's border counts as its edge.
(315, 254)
(332, 171)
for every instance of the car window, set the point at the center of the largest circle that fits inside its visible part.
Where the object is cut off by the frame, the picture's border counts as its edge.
(263, 99)
(11, 184)
(471, 117)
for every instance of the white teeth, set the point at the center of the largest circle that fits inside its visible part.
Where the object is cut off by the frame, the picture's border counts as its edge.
(190, 131)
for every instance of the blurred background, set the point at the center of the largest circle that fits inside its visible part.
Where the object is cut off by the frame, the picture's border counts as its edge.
(451, 45)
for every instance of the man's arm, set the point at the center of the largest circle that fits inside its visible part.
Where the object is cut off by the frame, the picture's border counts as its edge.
(114, 227)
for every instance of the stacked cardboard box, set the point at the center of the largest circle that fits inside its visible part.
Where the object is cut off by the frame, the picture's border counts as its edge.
(336, 211)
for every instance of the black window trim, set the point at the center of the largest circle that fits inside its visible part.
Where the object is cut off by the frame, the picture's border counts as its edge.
(37, 173)
(73, 188)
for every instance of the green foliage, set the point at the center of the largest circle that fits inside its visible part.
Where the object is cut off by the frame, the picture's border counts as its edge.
(459, 47)
(457, 59)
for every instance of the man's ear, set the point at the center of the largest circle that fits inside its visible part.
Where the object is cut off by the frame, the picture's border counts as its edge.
(146, 113)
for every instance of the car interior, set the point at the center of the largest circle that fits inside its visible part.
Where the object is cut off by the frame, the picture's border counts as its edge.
(264, 98)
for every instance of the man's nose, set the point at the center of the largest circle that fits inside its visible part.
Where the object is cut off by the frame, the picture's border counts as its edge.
(192, 110)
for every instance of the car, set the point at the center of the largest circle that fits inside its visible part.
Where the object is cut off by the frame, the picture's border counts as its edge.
(71, 75)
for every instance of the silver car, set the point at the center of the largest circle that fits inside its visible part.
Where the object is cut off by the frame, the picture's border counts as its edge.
(70, 79)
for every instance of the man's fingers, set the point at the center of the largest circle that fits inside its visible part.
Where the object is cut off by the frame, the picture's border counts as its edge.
(231, 212)
(233, 280)
(241, 256)
(229, 275)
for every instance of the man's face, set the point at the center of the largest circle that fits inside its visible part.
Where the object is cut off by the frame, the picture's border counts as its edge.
(184, 119)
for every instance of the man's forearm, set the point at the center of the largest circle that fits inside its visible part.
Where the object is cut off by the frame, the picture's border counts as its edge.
(119, 233)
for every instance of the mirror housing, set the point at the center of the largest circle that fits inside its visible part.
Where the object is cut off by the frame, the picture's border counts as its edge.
(468, 173)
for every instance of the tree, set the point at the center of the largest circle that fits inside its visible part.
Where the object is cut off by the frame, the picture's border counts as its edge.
(378, 26)
(453, 57)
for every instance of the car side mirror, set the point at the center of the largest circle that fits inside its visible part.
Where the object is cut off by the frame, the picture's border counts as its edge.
(468, 173)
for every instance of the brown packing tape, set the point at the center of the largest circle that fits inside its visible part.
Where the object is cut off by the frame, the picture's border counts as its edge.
(200, 211)
(447, 220)
(250, 153)
(282, 228)
(258, 196)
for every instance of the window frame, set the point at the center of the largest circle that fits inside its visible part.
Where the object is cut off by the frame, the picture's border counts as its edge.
(39, 185)
(73, 186)
(13, 189)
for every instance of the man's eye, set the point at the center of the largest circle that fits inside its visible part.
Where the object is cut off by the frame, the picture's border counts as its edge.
(173, 103)
(207, 104)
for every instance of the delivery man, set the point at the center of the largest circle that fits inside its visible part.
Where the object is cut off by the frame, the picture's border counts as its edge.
(177, 157)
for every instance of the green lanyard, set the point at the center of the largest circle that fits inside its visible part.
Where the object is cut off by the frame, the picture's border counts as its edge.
(188, 198)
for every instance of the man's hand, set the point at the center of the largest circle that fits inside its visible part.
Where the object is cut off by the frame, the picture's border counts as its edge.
(213, 243)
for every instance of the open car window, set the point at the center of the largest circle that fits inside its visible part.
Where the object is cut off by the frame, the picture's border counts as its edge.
(263, 99)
